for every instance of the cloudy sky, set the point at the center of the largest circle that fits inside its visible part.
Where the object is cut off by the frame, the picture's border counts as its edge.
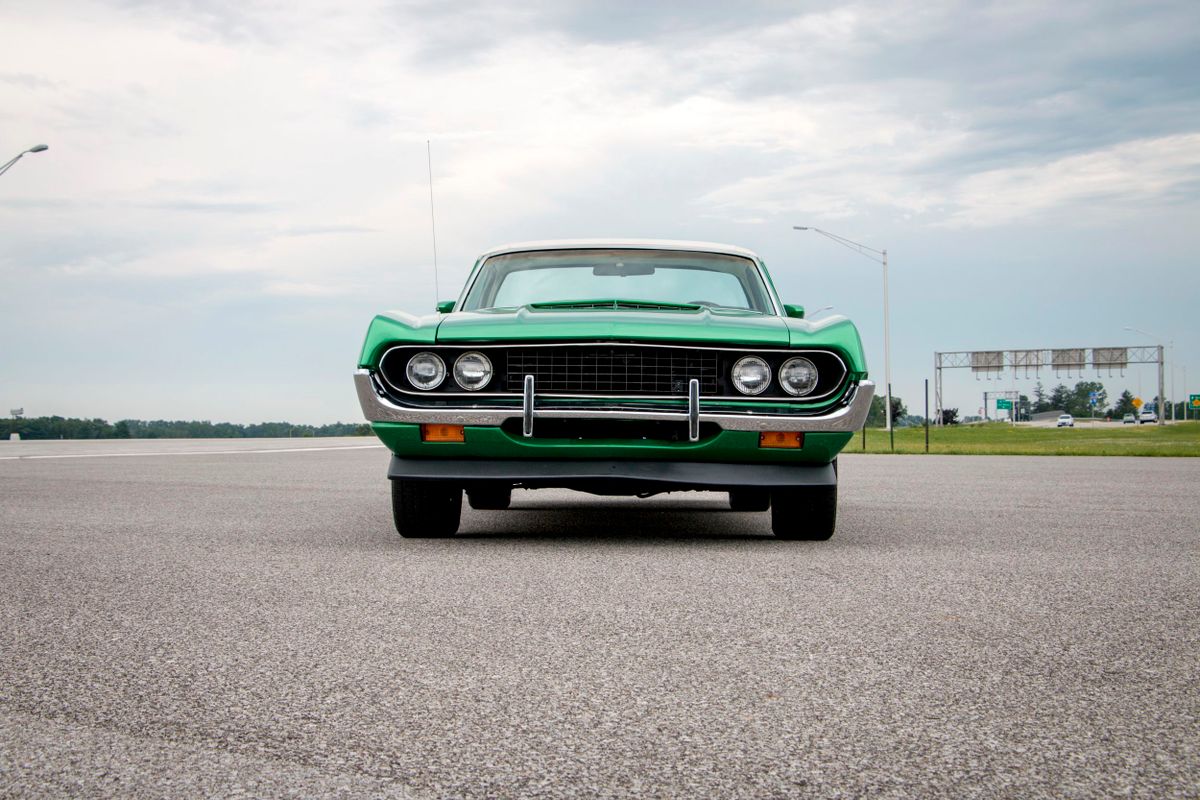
(234, 187)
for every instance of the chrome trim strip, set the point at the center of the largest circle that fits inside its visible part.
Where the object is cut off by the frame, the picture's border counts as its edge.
(745, 351)
(527, 408)
(849, 417)
(693, 410)
(768, 287)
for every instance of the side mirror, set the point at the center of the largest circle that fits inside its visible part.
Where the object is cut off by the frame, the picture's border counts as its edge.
(796, 312)
(445, 306)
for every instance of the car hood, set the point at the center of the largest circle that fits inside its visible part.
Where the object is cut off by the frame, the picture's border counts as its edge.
(702, 326)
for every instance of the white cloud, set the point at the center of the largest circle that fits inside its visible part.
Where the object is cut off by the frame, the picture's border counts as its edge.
(257, 116)
(1119, 179)
(298, 289)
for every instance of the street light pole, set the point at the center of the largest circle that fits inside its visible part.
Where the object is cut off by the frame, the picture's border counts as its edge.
(37, 148)
(879, 257)
(1171, 357)
(887, 346)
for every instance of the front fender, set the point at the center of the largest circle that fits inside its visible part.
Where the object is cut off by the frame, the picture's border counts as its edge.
(835, 333)
(393, 327)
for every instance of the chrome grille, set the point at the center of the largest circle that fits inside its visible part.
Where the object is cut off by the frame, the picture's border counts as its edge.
(612, 370)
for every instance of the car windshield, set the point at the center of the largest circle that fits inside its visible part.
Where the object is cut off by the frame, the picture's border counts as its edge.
(568, 277)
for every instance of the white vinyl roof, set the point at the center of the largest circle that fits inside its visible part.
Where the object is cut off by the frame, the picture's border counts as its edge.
(629, 244)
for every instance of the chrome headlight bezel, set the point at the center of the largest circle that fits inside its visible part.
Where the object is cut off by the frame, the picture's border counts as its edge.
(439, 373)
(737, 380)
(458, 371)
(799, 361)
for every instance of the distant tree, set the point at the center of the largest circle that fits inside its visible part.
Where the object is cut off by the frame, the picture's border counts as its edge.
(1041, 403)
(1124, 404)
(63, 428)
(344, 429)
(56, 428)
(1024, 407)
(876, 418)
(1060, 398)
(1079, 401)
(875, 415)
(949, 416)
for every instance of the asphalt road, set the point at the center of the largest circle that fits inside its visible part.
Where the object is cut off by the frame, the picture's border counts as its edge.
(195, 619)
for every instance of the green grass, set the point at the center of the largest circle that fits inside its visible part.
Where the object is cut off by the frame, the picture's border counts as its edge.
(999, 438)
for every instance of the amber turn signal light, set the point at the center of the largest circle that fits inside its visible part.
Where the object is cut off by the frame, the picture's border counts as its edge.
(442, 433)
(780, 439)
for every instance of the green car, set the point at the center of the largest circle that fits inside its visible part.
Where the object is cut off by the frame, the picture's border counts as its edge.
(617, 368)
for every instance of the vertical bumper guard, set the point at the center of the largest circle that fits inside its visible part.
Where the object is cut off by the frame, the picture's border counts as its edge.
(693, 410)
(527, 408)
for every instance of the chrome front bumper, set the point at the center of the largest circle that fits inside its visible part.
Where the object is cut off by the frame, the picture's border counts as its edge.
(849, 417)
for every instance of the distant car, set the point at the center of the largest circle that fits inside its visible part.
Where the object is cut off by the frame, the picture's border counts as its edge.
(1147, 416)
(1129, 419)
(1065, 421)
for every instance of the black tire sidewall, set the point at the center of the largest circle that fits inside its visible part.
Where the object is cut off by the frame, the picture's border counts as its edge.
(807, 513)
(426, 509)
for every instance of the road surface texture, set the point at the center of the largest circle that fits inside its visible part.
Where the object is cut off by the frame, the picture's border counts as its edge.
(206, 618)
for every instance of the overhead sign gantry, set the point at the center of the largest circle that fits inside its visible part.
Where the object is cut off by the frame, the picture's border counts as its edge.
(991, 365)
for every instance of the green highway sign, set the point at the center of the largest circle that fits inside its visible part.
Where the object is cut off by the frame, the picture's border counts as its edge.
(1194, 400)
(1003, 405)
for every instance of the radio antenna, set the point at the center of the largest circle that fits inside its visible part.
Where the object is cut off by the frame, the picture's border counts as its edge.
(432, 222)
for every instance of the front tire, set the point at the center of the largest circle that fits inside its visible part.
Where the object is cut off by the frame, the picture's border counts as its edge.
(804, 513)
(425, 509)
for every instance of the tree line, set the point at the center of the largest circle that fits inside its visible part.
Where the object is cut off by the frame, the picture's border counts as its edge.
(71, 428)
(1076, 401)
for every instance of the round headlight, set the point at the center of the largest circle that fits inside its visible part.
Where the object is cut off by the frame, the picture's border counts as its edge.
(426, 371)
(751, 375)
(798, 376)
(472, 371)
